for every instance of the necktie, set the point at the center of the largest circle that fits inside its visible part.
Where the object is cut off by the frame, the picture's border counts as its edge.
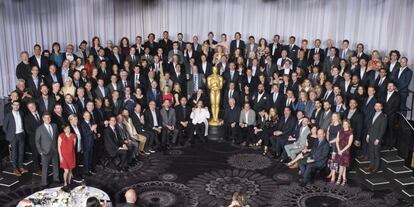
(380, 83)
(184, 114)
(154, 92)
(195, 82)
(50, 131)
(73, 108)
(326, 95)
(133, 58)
(274, 97)
(125, 83)
(37, 116)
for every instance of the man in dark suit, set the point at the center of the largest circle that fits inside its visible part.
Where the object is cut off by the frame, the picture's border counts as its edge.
(403, 78)
(381, 83)
(231, 92)
(183, 122)
(195, 45)
(101, 91)
(46, 143)
(316, 50)
(189, 53)
(357, 120)
(114, 145)
(34, 82)
(285, 129)
(32, 121)
(360, 52)
(165, 43)
(269, 67)
(204, 66)
(116, 58)
(231, 120)
(260, 98)
(391, 104)
(138, 121)
(249, 80)
(131, 57)
(45, 102)
(331, 60)
(275, 48)
(237, 43)
(69, 107)
(53, 76)
(328, 95)
(117, 103)
(152, 119)
(376, 131)
(40, 61)
(88, 130)
(317, 160)
(292, 48)
(196, 81)
(13, 126)
(231, 75)
(276, 99)
(154, 94)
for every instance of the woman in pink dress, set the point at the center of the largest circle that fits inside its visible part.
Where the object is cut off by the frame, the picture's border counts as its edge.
(343, 144)
(66, 148)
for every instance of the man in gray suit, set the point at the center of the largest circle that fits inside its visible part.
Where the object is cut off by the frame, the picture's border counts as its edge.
(345, 52)
(196, 81)
(46, 144)
(331, 60)
(15, 135)
(299, 139)
(251, 46)
(168, 124)
(325, 119)
(176, 51)
(247, 123)
(377, 126)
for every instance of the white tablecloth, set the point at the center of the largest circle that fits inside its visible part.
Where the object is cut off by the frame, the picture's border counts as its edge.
(77, 197)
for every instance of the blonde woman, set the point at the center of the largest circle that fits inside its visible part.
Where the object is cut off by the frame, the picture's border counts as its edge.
(238, 200)
(68, 87)
(218, 54)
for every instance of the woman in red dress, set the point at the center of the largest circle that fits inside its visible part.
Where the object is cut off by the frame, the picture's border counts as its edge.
(167, 95)
(66, 147)
(343, 144)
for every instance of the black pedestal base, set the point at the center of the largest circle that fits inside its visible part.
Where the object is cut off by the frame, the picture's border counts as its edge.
(215, 133)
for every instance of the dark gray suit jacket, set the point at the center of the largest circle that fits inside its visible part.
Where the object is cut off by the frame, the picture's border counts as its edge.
(9, 125)
(377, 129)
(45, 144)
(168, 119)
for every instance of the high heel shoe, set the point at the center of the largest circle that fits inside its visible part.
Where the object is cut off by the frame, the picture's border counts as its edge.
(265, 151)
(343, 182)
(259, 143)
(338, 182)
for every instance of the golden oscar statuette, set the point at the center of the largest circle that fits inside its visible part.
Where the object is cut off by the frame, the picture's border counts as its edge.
(215, 84)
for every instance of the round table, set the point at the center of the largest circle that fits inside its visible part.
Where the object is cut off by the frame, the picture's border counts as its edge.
(55, 197)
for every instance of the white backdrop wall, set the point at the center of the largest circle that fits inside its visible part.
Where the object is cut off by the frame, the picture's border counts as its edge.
(379, 24)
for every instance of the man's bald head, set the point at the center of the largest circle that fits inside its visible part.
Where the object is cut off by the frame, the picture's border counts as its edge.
(130, 196)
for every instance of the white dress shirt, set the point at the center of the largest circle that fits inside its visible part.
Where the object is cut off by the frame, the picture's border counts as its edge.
(18, 122)
(199, 115)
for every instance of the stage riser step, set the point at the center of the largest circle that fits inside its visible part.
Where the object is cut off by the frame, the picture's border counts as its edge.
(361, 164)
(361, 173)
(404, 183)
(400, 172)
(391, 152)
(378, 183)
(392, 161)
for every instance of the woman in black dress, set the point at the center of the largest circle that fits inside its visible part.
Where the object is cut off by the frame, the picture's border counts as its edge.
(140, 98)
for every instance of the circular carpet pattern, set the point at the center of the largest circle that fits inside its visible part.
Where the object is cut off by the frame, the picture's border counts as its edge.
(322, 194)
(168, 177)
(12, 198)
(145, 169)
(165, 194)
(283, 178)
(223, 148)
(249, 161)
(216, 188)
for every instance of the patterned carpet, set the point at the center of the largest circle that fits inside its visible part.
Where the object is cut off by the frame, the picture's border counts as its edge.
(208, 174)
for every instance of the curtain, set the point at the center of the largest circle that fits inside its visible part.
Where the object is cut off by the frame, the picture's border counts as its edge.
(379, 24)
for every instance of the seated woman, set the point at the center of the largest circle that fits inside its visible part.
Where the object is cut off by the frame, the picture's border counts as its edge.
(269, 127)
(167, 95)
(300, 135)
(310, 140)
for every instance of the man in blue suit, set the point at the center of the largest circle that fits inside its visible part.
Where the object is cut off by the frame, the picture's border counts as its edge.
(88, 129)
(403, 78)
(316, 160)
(154, 94)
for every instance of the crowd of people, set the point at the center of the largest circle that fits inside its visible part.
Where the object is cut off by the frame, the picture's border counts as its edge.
(308, 107)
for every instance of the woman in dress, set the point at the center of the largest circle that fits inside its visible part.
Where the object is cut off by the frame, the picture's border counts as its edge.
(66, 148)
(56, 55)
(177, 93)
(269, 127)
(343, 145)
(218, 54)
(331, 136)
(261, 48)
(90, 65)
(311, 139)
(167, 95)
(140, 98)
(96, 45)
(124, 45)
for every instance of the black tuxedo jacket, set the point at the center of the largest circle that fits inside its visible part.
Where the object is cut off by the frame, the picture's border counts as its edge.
(233, 47)
(44, 67)
(232, 115)
(149, 122)
(392, 105)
